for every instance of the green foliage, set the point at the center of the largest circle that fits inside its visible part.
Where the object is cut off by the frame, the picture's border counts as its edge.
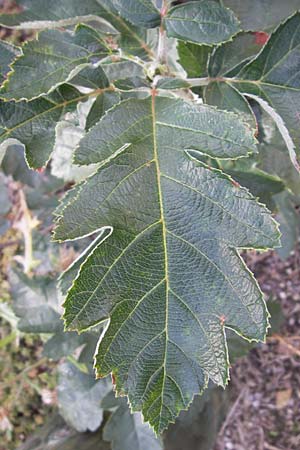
(201, 22)
(166, 152)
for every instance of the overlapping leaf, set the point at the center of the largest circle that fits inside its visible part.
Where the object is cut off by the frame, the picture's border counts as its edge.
(193, 58)
(204, 22)
(33, 123)
(257, 15)
(139, 12)
(274, 75)
(79, 398)
(169, 275)
(126, 431)
(39, 14)
(52, 59)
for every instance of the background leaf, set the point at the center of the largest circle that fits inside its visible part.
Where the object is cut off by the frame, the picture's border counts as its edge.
(64, 55)
(201, 22)
(79, 398)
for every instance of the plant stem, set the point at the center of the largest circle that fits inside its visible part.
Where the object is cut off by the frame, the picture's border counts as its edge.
(162, 38)
(199, 81)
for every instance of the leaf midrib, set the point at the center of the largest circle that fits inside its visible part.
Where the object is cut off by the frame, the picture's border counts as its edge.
(164, 237)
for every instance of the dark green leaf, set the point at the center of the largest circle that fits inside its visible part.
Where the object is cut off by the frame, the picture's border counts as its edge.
(91, 77)
(33, 123)
(144, 192)
(204, 22)
(139, 12)
(67, 277)
(260, 184)
(226, 96)
(226, 59)
(274, 75)
(171, 83)
(39, 14)
(193, 58)
(52, 59)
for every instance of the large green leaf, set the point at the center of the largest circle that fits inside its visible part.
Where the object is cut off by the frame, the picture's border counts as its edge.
(52, 59)
(204, 22)
(274, 75)
(169, 274)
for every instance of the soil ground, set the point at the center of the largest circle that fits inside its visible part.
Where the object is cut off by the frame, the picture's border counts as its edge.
(265, 409)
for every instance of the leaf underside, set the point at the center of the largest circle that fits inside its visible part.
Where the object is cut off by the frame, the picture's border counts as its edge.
(169, 275)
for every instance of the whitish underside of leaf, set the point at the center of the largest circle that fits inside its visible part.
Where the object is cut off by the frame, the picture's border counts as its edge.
(52, 59)
(169, 276)
(127, 431)
(201, 22)
(79, 398)
(258, 15)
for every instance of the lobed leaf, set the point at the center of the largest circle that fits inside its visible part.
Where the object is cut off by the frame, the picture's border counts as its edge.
(169, 276)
